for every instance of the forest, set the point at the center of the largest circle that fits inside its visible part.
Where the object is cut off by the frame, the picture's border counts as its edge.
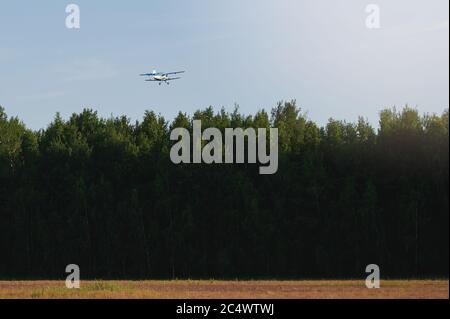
(102, 193)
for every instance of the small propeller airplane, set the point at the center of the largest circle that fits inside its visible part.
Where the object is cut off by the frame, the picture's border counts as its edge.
(162, 76)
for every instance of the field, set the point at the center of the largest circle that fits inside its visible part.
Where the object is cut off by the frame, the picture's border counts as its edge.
(415, 289)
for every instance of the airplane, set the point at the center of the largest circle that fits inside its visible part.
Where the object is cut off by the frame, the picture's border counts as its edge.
(161, 77)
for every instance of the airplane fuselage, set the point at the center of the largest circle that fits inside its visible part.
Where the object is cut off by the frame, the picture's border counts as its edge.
(161, 78)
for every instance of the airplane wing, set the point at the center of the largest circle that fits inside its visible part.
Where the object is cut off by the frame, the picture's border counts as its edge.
(151, 80)
(151, 74)
(171, 73)
(171, 79)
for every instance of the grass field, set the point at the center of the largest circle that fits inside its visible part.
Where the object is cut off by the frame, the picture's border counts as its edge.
(416, 289)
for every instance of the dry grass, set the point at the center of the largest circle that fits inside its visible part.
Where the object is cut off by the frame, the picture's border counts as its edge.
(414, 289)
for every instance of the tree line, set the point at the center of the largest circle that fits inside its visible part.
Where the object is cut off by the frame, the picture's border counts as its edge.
(103, 194)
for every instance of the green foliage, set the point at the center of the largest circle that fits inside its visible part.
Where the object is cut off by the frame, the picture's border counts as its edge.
(103, 193)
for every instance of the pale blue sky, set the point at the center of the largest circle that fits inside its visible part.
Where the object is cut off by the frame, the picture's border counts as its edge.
(250, 52)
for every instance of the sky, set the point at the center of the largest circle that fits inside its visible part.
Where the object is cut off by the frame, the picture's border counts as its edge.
(250, 52)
